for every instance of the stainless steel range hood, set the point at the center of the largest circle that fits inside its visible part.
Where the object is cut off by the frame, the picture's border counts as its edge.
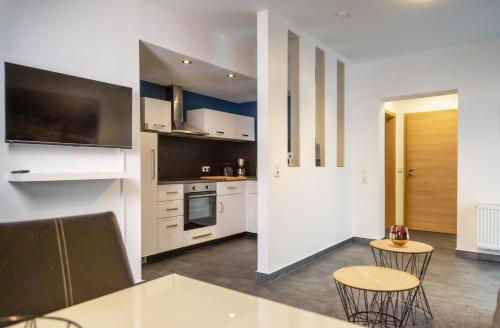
(179, 126)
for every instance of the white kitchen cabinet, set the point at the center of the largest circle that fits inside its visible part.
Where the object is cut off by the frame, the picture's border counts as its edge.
(170, 192)
(251, 206)
(200, 235)
(149, 180)
(244, 128)
(230, 214)
(230, 188)
(170, 233)
(157, 114)
(170, 208)
(216, 123)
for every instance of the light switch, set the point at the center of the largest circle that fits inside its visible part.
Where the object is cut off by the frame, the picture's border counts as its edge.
(276, 170)
(363, 177)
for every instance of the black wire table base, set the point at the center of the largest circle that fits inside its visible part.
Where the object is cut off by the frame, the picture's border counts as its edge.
(416, 264)
(376, 308)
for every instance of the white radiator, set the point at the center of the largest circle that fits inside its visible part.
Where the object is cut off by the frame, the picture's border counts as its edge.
(488, 226)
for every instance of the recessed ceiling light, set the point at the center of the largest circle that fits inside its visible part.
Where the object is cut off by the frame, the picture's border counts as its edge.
(230, 75)
(186, 61)
(343, 14)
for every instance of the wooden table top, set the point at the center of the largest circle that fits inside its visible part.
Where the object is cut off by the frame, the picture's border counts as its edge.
(376, 279)
(411, 247)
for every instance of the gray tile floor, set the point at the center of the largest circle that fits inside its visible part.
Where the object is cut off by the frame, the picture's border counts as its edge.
(462, 293)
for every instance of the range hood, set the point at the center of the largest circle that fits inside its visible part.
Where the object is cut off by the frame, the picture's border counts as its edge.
(179, 126)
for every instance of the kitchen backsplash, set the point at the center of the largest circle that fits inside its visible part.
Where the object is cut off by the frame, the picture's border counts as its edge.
(182, 158)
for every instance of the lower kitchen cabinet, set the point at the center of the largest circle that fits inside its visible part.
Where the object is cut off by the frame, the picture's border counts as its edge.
(230, 214)
(169, 233)
(200, 235)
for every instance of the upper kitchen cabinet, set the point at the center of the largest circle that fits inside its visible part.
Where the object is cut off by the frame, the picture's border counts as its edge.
(244, 127)
(222, 125)
(157, 114)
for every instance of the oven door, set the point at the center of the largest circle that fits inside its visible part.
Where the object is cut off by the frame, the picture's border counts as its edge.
(200, 210)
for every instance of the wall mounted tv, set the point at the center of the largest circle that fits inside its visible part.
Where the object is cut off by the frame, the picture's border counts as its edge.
(53, 108)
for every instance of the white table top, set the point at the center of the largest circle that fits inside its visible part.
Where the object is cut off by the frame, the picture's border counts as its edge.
(176, 301)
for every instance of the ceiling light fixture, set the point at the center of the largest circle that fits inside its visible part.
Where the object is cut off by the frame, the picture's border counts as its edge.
(343, 14)
(230, 75)
(186, 61)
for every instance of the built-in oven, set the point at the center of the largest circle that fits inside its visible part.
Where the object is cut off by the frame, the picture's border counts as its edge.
(200, 205)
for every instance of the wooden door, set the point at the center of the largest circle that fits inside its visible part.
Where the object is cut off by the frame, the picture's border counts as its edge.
(431, 171)
(390, 170)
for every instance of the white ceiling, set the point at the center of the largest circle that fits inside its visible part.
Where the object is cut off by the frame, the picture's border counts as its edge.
(376, 28)
(165, 67)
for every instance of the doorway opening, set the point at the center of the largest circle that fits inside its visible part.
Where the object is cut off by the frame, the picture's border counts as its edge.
(421, 163)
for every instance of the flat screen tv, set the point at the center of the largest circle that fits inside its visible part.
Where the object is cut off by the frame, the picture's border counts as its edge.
(53, 108)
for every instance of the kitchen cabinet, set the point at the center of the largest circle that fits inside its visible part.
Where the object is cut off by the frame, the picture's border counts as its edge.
(157, 114)
(196, 236)
(149, 180)
(230, 214)
(251, 206)
(169, 233)
(244, 127)
(222, 125)
(216, 123)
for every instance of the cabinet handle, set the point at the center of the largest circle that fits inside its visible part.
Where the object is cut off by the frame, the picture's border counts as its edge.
(202, 236)
(172, 209)
(231, 188)
(153, 156)
(219, 132)
(172, 192)
(159, 125)
(244, 135)
(172, 226)
(221, 208)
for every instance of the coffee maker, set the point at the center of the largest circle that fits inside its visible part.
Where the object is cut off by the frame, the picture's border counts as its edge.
(241, 171)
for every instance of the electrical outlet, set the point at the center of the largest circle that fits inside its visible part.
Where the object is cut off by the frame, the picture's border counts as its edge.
(205, 169)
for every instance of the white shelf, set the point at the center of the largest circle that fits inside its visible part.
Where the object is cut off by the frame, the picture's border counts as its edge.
(65, 176)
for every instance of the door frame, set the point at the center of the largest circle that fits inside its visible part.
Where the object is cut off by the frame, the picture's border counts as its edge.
(390, 193)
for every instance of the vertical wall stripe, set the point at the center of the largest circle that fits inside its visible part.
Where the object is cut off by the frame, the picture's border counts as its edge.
(70, 286)
(62, 264)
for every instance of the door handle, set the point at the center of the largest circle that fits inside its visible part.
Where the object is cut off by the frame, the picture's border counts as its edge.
(411, 173)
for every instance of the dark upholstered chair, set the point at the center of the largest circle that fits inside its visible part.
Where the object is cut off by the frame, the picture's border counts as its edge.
(496, 317)
(47, 265)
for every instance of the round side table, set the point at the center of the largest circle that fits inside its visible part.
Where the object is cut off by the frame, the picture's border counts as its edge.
(373, 296)
(414, 258)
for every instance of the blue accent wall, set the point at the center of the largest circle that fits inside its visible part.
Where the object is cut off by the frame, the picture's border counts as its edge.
(194, 100)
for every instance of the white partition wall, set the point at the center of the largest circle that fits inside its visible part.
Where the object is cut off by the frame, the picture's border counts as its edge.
(301, 210)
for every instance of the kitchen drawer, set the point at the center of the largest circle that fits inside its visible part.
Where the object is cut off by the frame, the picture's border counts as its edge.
(170, 233)
(200, 235)
(170, 192)
(170, 208)
(230, 188)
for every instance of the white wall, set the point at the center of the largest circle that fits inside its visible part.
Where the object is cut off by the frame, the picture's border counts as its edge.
(306, 209)
(473, 69)
(400, 108)
(93, 39)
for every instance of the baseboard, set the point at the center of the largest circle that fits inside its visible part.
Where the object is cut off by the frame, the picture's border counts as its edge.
(251, 235)
(360, 240)
(268, 277)
(478, 256)
(175, 252)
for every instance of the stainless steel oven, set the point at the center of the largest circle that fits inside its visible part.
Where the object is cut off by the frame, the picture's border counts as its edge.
(200, 205)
